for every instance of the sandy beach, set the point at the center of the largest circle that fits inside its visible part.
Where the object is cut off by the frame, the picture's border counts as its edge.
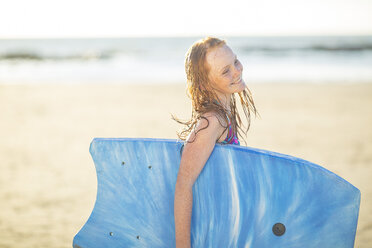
(48, 180)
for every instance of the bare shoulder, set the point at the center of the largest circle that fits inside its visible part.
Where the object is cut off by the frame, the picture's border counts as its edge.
(209, 126)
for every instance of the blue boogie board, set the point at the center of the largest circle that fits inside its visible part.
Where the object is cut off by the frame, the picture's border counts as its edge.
(243, 197)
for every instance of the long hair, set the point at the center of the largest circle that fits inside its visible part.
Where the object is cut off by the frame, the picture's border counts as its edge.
(201, 92)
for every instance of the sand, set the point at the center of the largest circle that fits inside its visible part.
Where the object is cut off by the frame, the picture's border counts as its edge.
(48, 180)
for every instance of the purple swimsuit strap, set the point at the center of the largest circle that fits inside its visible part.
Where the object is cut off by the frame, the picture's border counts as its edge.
(231, 137)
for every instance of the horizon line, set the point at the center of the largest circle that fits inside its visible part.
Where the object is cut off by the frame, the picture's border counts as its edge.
(181, 36)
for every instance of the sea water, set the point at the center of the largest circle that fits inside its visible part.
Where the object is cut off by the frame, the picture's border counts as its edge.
(154, 60)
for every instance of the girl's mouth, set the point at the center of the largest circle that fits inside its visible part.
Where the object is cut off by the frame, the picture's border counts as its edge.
(240, 80)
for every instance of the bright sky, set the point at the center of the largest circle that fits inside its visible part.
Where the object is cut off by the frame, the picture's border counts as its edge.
(109, 18)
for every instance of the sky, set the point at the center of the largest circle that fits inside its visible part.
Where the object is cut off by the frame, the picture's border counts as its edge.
(137, 18)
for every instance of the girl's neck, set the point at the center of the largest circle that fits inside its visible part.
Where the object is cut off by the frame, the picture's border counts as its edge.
(224, 100)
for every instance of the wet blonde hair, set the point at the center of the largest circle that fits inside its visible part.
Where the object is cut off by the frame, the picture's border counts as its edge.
(201, 92)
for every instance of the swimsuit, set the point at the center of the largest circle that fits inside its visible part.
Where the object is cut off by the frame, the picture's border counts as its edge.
(231, 137)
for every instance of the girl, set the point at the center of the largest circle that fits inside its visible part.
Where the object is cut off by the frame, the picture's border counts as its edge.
(214, 74)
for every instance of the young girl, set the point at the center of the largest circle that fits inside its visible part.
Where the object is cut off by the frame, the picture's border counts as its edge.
(214, 74)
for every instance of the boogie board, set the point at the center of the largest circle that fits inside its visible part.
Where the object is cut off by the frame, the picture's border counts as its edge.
(243, 197)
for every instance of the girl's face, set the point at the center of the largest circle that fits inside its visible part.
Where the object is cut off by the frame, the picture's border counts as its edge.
(225, 71)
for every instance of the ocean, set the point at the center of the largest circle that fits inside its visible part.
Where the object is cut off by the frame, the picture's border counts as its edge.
(154, 60)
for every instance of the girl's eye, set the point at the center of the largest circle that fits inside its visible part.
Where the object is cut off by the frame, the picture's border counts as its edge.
(236, 61)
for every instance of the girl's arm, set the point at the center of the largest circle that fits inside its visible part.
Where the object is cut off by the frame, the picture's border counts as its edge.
(194, 157)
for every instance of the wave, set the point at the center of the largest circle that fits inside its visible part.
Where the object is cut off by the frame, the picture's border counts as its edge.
(342, 48)
(85, 50)
(315, 48)
(39, 57)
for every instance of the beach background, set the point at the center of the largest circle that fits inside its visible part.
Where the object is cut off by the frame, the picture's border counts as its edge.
(74, 70)
(48, 119)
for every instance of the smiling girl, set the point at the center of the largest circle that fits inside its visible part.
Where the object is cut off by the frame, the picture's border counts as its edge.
(214, 75)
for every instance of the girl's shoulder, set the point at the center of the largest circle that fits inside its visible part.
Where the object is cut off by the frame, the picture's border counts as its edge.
(219, 125)
(207, 128)
(214, 117)
(207, 119)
